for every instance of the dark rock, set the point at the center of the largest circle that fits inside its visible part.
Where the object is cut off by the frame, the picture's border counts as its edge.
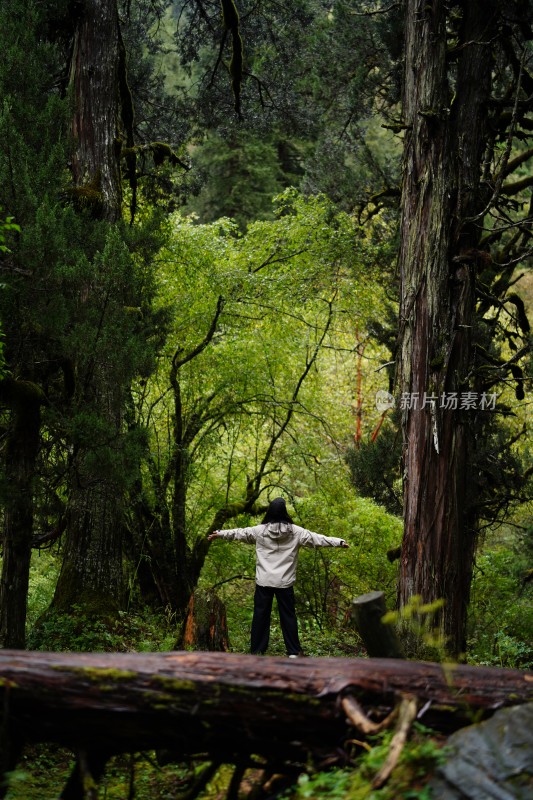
(490, 761)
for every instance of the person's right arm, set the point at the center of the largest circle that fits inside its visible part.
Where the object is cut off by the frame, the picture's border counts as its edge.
(248, 535)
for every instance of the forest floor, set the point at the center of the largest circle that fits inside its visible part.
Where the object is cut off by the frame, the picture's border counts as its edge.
(44, 769)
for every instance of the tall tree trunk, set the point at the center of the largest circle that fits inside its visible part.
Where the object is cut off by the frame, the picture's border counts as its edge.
(25, 400)
(181, 462)
(91, 573)
(94, 78)
(443, 154)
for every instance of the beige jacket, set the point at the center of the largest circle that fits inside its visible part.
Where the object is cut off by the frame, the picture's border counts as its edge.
(276, 548)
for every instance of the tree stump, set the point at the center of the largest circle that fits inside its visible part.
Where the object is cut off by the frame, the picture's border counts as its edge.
(380, 640)
(205, 626)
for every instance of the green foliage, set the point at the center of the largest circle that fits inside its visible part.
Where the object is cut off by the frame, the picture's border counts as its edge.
(45, 769)
(73, 632)
(32, 115)
(333, 785)
(501, 610)
(421, 755)
(239, 175)
(311, 75)
(76, 310)
(499, 462)
(419, 630)
(281, 287)
(375, 468)
(76, 306)
(7, 225)
(78, 632)
(45, 566)
(329, 579)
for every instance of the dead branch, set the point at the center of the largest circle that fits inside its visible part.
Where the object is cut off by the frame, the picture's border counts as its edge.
(407, 715)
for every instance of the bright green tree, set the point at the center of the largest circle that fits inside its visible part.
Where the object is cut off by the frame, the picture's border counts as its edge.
(242, 396)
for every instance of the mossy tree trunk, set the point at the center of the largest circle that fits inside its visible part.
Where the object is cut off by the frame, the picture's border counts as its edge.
(91, 574)
(446, 121)
(25, 400)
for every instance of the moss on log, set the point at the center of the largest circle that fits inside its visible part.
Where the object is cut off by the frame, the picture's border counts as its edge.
(232, 705)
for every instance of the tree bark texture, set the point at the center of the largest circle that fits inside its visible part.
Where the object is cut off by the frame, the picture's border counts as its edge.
(443, 153)
(91, 573)
(95, 84)
(232, 705)
(380, 640)
(205, 626)
(25, 399)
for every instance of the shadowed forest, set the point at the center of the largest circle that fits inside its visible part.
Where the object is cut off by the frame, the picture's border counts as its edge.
(249, 250)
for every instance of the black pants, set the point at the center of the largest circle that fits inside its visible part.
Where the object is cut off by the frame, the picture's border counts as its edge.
(263, 598)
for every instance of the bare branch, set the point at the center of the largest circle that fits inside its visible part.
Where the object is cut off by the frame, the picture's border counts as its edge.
(517, 186)
(290, 410)
(505, 159)
(514, 163)
(179, 362)
(375, 11)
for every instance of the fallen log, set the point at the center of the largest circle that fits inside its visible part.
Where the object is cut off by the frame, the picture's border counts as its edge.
(232, 705)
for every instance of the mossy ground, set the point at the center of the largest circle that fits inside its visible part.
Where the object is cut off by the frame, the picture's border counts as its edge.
(44, 770)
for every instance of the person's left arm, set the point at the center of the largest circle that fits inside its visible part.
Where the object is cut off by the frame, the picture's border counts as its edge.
(310, 539)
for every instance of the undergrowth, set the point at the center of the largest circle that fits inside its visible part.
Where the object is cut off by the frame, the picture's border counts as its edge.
(44, 770)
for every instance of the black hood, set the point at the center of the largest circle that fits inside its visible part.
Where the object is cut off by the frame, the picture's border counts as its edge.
(277, 512)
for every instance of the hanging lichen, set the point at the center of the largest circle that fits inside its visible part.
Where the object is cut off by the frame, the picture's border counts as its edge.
(160, 151)
(129, 152)
(231, 24)
(521, 315)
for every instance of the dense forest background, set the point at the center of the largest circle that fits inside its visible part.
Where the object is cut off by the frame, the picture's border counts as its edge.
(256, 249)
